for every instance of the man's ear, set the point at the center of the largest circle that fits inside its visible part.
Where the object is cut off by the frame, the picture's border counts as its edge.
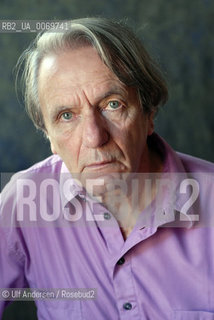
(151, 125)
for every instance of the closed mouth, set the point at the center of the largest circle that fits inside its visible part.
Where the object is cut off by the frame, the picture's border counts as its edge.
(98, 164)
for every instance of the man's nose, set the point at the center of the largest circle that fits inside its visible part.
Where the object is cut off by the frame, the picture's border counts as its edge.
(95, 133)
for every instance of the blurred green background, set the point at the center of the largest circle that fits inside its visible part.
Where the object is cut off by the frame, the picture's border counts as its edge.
(177, 33)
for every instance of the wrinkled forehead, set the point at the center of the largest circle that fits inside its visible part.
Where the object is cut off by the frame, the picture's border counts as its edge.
(75, 70)
(76, 62)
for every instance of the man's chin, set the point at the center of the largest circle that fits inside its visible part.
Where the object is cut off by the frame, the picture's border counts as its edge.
(101, 177)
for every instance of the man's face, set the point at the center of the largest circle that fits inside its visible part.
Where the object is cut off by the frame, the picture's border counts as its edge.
(94, 122)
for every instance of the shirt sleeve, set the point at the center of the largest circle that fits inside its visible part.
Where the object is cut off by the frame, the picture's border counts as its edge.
(11, 266)
(12, 253)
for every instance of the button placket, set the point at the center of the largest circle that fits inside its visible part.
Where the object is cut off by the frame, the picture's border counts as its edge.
(124, 289)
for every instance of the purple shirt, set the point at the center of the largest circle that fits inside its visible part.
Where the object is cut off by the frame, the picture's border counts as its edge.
(163, 270)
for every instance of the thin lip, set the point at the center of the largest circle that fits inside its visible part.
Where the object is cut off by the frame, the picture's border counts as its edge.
(97, 164)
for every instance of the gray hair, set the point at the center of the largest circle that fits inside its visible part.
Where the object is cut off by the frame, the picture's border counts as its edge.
(117, 46)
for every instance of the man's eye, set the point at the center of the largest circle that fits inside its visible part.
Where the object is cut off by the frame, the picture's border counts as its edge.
(67, 115)
(114, 104)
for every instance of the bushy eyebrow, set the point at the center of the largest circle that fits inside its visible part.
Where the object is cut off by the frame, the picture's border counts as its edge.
(116, 90)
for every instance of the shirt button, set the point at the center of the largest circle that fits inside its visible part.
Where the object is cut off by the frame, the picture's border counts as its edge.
(82, 196)
(121, 261)
(107, 216)
(127, 306)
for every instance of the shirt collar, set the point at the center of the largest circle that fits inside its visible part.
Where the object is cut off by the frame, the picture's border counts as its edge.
(169, 206)
(69, 186)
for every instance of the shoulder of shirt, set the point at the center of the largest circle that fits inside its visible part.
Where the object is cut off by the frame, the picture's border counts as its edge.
(194, 164)
(51, 165)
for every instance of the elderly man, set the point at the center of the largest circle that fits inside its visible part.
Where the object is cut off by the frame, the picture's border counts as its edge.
(114, 210)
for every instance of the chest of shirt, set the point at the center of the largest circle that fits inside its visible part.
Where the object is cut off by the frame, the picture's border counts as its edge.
(153, 274)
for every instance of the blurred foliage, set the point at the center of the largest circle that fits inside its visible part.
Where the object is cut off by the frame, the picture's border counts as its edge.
(179, 35)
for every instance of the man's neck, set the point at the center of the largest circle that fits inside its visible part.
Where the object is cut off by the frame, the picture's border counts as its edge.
(126, 204)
